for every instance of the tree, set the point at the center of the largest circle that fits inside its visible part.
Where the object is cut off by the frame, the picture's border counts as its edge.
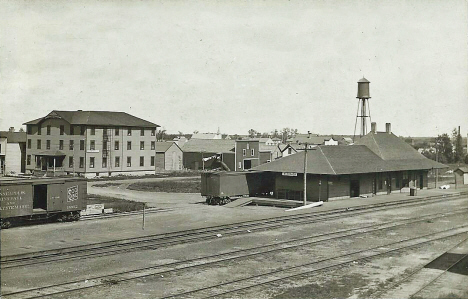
(160, 135)
(287, 133)
(265, 135)
(252, 133)
(444, 148)
(195, 132)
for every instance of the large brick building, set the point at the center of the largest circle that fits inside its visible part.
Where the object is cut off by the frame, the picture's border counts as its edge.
(90, 143)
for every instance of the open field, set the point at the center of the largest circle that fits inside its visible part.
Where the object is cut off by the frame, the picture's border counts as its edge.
(117, 204)
(182, 186)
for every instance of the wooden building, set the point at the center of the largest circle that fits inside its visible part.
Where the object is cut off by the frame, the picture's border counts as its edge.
(168, 156)
(461, 176)
(12, 152)
(90, 143)
(201, 154)
(247, 154)
(381, 163)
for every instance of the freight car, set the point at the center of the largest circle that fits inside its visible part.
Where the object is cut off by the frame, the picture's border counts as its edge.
(59, 199)
(220, 188)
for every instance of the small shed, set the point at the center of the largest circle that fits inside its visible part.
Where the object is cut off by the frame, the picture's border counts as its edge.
(461, 176)
(168, 156)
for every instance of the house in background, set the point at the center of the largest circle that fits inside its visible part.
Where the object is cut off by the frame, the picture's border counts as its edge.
(200, 154)
(269, 153)
(207, 136)
(12, 152)
(287, 149)
(90, 143)
(169, 156)
(247, 154)
(461, 176)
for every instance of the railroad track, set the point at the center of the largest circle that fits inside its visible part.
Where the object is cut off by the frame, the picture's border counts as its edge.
(202, 234)
(123, 214)
(213, 260)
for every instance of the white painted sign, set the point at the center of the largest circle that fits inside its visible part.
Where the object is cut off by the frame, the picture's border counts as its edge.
(289, 173)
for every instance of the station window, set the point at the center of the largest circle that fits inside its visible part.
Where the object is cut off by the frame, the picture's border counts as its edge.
(81, 162)
(153, 145)
(117, 161)
(92, 145)
(47, 144)
(142, 161)
(129, 145)
(28, 160)
(129, 161)
(60, 144)
(29, 143)
(39, 146)
(48, 130)
(71, 145)
(70, 162)
(81, 145)
(116, 145)
(142, 145)
(142, 132)
(152, 160)
(91, 162)
(62, 129)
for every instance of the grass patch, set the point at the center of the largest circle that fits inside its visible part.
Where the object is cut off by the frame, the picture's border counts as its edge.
(104, 185)
(118, 205)
(185, 186)
(169, 174)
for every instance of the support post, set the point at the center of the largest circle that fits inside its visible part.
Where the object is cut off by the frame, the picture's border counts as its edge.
(305, 174)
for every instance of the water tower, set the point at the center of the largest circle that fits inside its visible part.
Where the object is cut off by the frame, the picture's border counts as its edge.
(363, 111)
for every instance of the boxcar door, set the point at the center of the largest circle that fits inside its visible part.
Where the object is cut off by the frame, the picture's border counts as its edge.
(54, 197)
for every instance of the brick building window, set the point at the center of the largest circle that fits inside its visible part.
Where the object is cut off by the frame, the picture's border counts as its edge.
(60, 144)
(93, 131)
(72, 130)
(116, 145)
(92, 145)
(142, 132)
(153, 145)
(29, 129)
(47, 144)
(152, 160)
(48, 130)
(28, 160)
(117, 132)
(70, 162)
(244, 152)
(39, 146)
(39, 130)
(82, 145)
(70, 146)
(62, 129)
(29, 143)
(82, 130)
(129, 132)
(104, 162)
(129, 161)
(129, 145)
(253, 152)
(142, 145)
(142, 161)
(153, 132)
(91, 162)
(104, 145)
(81, 162)
(117, 161)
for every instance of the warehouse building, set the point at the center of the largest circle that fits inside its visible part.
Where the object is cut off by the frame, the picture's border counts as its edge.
(90, 143)
(379, 163)
(201, 154)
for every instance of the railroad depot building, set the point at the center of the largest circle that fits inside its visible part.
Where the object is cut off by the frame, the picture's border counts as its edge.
(379, 163)
(90, 143)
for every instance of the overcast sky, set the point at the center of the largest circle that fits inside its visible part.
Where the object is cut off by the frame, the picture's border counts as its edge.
(238, 65)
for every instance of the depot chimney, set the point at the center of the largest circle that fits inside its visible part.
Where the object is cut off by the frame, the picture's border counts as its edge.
(388, 128)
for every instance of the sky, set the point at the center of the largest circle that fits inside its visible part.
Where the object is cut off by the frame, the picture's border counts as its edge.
(239, 65)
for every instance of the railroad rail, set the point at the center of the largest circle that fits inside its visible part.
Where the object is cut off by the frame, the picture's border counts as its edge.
(241, 284)
(122, 214)
(201, 234)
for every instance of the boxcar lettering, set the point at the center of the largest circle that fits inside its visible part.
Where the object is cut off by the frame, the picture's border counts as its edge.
(72, 207)
(72, 193)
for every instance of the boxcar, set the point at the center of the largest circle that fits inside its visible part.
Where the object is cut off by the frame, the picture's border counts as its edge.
(59, 199)
(220, 187)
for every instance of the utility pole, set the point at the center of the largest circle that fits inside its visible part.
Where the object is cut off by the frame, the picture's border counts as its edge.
(306, 144)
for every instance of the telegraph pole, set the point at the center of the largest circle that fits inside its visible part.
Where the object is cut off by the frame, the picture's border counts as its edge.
(306, 144)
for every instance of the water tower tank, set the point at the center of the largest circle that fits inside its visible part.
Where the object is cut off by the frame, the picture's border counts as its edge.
(363, 89)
